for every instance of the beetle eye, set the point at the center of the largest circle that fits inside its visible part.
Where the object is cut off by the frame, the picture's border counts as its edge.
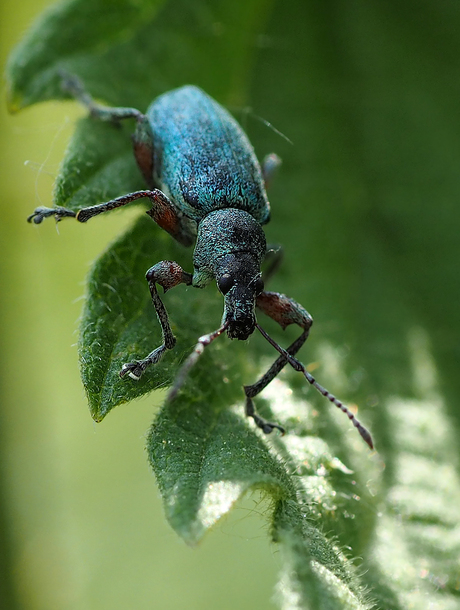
(225, 282)
(259, 286)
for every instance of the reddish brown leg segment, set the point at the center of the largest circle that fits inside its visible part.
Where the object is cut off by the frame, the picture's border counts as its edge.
(285, 311)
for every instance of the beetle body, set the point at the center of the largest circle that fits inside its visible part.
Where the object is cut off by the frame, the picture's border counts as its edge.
(204, 163)
(206, 185)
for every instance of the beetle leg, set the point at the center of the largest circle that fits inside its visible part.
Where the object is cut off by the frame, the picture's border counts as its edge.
(72, 85)
(86, 213)
(143, 135)
(285, 311)
(168, 217)
(40, 213)
(270, 166)
(298, 366)
(167, 274)
(163, 212)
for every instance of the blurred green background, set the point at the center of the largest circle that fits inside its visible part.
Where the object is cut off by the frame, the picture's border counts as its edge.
(370, 97)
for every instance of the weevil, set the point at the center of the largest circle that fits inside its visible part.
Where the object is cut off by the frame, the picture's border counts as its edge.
(206, 187)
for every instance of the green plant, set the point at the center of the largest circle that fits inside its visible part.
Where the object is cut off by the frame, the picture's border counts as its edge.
(364, 191)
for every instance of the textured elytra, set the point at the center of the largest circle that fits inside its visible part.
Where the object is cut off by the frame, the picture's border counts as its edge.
(203, 157)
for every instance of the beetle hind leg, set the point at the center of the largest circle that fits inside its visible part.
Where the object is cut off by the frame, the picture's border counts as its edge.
(72, 85)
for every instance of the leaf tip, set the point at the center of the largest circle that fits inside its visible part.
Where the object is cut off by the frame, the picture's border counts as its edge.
(96, 413)
(13, 100)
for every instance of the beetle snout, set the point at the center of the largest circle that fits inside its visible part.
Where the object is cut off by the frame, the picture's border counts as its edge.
(240, 317)
(241, 327)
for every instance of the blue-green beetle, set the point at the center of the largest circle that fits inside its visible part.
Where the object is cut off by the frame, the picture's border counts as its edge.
(206, 187)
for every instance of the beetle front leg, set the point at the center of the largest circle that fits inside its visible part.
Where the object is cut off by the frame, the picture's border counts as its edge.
(167, 274)
(285, 311)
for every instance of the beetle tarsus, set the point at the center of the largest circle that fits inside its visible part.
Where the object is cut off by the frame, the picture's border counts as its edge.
(40, 213)
(133, 370)
(136, 369)
(266, 426)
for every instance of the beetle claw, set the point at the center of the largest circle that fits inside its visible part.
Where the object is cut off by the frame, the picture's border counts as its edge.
(40, 213)
(132, 369)
(268, 427)
(37, 216)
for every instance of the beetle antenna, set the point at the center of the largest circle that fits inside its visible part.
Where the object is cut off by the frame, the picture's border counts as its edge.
(203, 342)
(273, 128)
(298, 366)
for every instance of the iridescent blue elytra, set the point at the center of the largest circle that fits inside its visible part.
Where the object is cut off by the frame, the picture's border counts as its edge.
(203, 160)
(206, 186)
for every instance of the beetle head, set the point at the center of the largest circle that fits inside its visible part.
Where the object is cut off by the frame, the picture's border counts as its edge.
(239, 280)
(230, 247)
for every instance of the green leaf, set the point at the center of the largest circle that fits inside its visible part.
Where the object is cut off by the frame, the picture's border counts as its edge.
(414, 553)
(366, 204)
(192, 449)
(68, 35)
(98, 166)
(128, 52)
